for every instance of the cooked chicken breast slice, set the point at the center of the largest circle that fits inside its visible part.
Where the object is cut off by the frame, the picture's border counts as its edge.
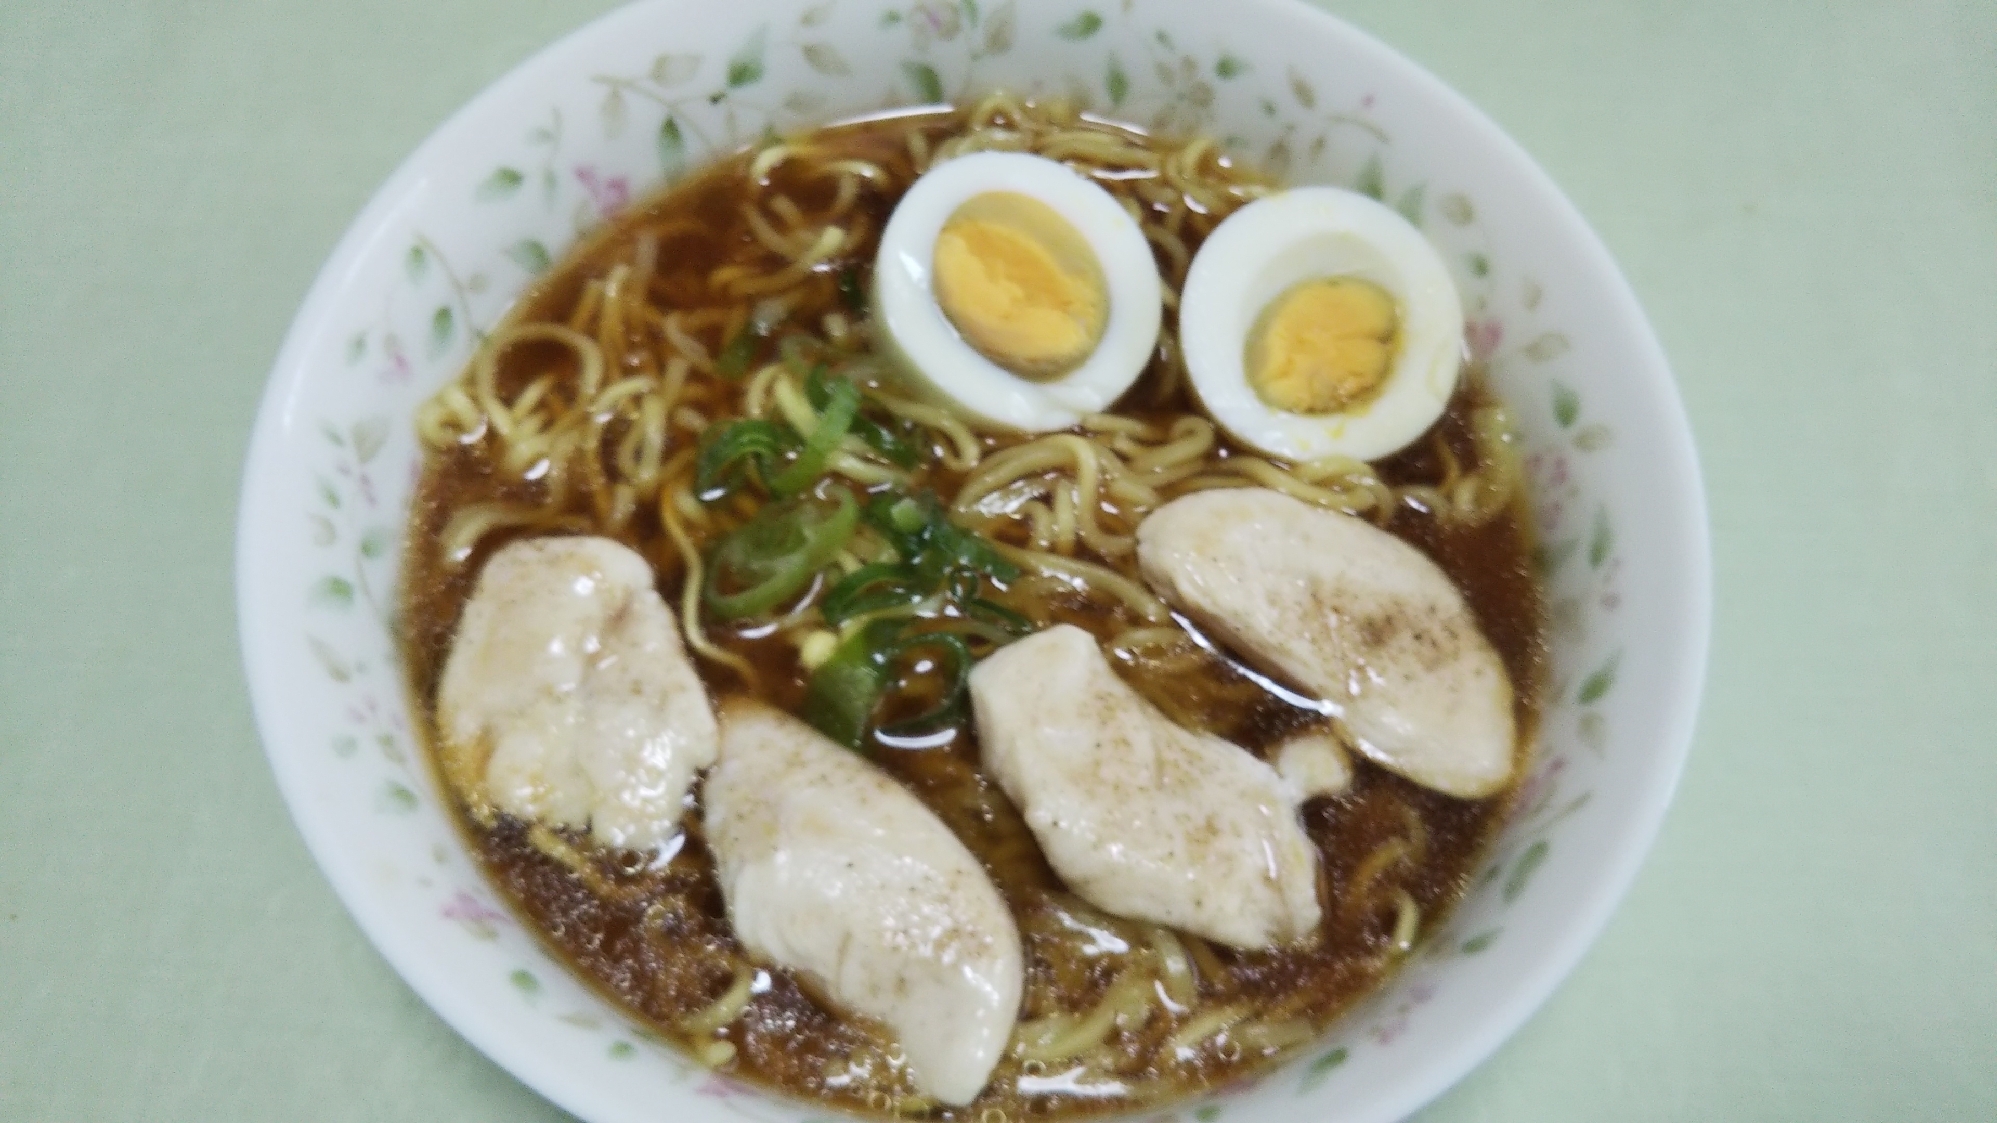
(1349, 613)
(568, 699)
(1142, 817)
(831, 868)
(1314, 763)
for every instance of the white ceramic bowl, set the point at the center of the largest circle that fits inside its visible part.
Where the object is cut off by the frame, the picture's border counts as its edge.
(605, 115)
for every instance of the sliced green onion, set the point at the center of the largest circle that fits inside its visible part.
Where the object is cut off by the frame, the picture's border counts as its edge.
(843, 405)
(951, 705)
(899, 515)
(919, 530)
(960, 547)
(846, 689)
(735, 448)
(851, 290)
(817, 384)
(733, 362)
(979, 608)
(774, 555)
(872, 588)
(818, 390)
(885, 441)
(843, 692)
(963, 584)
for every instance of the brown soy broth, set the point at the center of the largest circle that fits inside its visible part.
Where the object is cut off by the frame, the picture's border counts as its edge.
(655, 939)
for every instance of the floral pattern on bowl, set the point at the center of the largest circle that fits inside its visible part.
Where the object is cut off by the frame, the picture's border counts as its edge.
(650, 91)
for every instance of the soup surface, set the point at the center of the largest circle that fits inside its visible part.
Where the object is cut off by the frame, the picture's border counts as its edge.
(714, 300)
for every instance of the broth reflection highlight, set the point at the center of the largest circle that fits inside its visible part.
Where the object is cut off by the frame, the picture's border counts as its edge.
(729, 297)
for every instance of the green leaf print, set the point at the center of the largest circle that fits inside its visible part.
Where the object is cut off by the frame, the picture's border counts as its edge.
(1601, 540)
(335, 591)
(1081, 27)
(923, 77)
(999, 29)
(1596, 685)
(672, 147)
(1116, 82)
(1547, 347)
(1479, 942)
(336, 668)
(825, 58)
(501, 183)
(1523, 869)
(1566, 404)
(1322, 1068)
(671, 70)
(1372, 178)
(369, 435)
(1303, 91)
(530, 255)
(443, 325)
(1410, 204)
(746, 68)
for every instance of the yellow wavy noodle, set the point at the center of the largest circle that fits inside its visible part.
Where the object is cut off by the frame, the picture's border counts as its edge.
(724, 1009)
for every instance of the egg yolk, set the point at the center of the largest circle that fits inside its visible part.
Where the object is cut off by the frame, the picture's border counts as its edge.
(1020, 284)
(1323, 346)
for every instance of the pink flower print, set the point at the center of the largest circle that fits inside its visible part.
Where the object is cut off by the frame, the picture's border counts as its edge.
(932, 20)
(1484, 337)
(363, 711)
(1553, 482)
(398, 371)
(719, 1088)
(1541, 466)
(478, 918)
(1539, 787)
(1386, 1031)
(1366, 102)
(608, 193)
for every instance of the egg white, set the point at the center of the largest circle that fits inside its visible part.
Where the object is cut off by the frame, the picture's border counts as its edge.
(941, 364)
(1306, 233)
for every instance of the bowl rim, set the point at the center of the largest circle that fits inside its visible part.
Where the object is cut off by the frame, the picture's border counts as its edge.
(1683, 670)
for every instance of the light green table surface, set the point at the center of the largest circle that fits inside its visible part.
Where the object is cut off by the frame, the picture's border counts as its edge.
(1804, 195)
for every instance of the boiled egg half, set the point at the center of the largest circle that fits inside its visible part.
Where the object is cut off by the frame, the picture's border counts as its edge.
(1016, 291)
(1319, 323)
